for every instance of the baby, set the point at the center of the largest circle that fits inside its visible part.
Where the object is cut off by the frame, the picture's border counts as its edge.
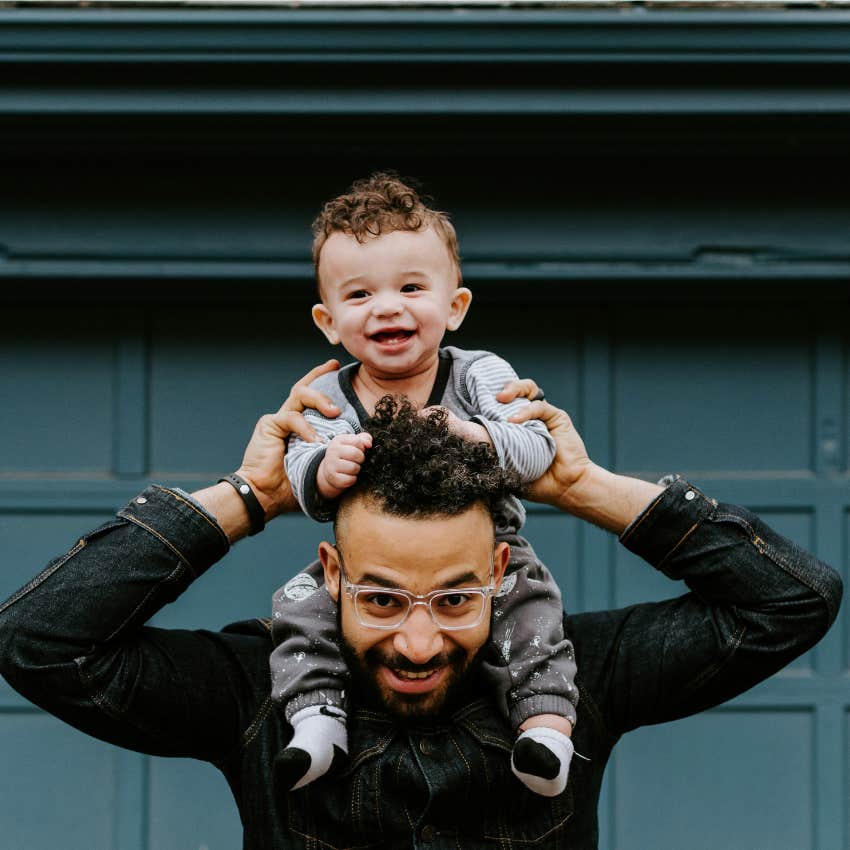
(389, 280)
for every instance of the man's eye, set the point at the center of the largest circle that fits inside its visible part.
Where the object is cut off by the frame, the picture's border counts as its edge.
(454, 600)
(383, 600)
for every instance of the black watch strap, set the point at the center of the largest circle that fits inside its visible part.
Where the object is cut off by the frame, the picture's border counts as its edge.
(256, 514)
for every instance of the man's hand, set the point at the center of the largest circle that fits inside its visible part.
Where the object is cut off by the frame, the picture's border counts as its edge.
(573, 482)
(341, 464)
(262, 465)
(570, 463)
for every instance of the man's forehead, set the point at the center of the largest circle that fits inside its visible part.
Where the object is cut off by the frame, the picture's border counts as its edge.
(418, 550)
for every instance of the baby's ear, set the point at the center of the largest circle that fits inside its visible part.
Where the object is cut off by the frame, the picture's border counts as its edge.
(457, 310)
(324, 321)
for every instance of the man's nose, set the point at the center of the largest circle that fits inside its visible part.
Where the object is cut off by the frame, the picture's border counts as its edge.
(418, 639)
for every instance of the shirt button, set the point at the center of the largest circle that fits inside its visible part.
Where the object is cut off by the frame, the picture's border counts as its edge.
(427, 833)
(425, 747)
(690, 495)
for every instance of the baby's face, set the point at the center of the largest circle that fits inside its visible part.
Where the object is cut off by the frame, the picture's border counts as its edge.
(389, 300)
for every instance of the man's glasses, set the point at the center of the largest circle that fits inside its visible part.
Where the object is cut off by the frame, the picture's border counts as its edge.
(388, 608)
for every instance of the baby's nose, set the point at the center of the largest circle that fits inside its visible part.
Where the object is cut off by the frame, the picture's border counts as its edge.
(387, 305)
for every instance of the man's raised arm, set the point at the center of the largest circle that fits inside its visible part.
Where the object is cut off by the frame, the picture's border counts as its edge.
(756, 600)
(74, 639)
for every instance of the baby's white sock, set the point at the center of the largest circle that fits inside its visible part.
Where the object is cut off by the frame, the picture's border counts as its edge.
(541, 760)
(320, 738)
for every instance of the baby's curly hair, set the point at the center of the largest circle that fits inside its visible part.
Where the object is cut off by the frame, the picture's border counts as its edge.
(381, 203)
(418, 468)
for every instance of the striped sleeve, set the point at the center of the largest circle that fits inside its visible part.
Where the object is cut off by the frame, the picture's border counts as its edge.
(302, 459)
(527, 448)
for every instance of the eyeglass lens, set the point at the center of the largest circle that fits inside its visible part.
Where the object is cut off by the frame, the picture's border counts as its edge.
(451, 610)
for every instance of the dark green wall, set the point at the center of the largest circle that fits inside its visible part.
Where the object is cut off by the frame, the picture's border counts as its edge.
(655, 201)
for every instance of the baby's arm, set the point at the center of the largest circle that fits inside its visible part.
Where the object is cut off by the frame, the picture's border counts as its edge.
(526, 449)
(307, 464)
(341, 465)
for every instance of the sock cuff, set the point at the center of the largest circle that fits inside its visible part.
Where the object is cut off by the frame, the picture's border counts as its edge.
(543, 733)
(315, 711)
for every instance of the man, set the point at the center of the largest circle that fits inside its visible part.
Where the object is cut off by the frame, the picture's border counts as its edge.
(429, 757)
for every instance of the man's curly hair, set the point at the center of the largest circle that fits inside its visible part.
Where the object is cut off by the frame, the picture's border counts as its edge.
(381, 203)
(418, 468)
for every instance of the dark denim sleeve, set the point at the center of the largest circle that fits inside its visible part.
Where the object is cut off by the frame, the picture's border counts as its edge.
(756, 602)
(73, 640)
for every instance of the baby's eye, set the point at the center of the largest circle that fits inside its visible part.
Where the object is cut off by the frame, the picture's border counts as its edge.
(357, 293)
(412, 287)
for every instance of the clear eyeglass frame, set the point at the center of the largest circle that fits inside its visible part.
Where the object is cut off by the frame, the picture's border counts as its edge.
(414, 599)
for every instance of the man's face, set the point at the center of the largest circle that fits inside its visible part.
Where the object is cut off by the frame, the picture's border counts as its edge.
(389, 300)
(415, 666)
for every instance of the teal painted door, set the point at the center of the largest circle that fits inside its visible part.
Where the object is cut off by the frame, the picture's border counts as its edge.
(747, 398)
(653, 221)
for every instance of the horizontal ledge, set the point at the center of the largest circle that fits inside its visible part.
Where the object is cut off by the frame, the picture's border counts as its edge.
(627, 104)
(52, 494)
(626, 34)
(795, 690)
(256, 272)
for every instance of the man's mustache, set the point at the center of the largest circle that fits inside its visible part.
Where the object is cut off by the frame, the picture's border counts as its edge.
(396, 661)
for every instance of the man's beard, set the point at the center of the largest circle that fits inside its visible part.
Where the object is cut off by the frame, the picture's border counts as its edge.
(367, 686)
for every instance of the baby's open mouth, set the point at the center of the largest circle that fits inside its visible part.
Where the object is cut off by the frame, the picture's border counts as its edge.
(396, 335)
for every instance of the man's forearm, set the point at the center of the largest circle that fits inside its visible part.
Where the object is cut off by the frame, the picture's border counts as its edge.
(225, 504)
(608, 500)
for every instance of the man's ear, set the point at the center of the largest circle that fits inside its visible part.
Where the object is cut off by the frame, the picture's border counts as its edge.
(329, 557)
(457, 311)
(324, 321)
(501, 556)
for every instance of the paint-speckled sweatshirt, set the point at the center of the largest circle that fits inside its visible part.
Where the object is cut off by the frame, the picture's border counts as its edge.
(530, 663)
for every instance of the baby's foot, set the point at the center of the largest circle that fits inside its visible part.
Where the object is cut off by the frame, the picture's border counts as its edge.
(320, 739)
(541, 760)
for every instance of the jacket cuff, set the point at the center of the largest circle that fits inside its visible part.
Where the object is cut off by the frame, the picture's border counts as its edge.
(664, 525)
(181, 524)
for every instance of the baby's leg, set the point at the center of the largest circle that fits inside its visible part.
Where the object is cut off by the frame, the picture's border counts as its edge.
(308, 675)
(542, 754)
(535, 668)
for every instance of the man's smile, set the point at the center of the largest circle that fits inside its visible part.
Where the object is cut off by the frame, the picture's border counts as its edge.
(409, 682)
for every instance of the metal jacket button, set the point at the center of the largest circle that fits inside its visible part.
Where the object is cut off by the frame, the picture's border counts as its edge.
(428, 833)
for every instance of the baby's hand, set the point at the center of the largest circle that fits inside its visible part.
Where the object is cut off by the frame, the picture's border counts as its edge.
(471, 431)
(341, 464)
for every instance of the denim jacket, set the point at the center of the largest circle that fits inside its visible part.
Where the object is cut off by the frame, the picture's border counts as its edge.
(74, 641)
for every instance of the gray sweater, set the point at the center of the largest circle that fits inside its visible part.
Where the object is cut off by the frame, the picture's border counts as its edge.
(467, 383)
